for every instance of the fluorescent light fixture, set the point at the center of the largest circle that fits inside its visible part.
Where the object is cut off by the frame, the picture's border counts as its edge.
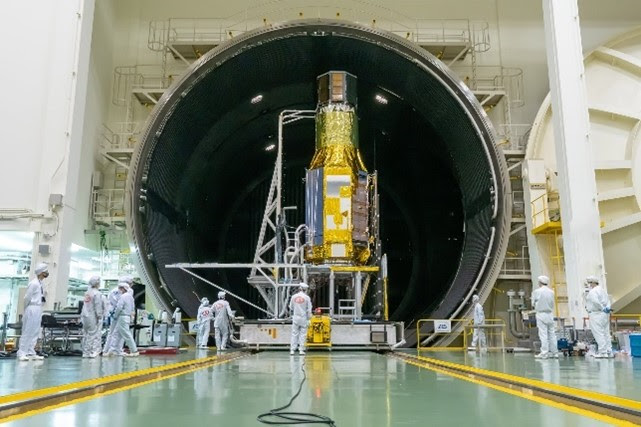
(257, 99)
(270, 147)
(16, 241)
(81, 264)
(381, 99)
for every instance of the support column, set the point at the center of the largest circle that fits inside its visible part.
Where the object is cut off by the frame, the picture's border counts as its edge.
(358, 314)
(45, 104)
(331, 294)
(276, 301)
(583, 250)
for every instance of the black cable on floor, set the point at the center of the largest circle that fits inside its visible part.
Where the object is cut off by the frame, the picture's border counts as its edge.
(280, 417)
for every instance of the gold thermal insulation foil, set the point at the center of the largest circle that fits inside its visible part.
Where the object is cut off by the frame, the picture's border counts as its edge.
(336, 133)
(338, 155)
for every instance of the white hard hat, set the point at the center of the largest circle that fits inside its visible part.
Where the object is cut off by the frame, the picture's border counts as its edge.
(544, 280)
(124, 285)
(204, 300)
(94, 281)
(475, 298)
(221, 295)
(592, 279)
(42, 268)
(304, 286)
(127, 279)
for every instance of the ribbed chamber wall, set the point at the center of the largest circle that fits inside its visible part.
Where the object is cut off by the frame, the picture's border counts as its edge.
(203, 168)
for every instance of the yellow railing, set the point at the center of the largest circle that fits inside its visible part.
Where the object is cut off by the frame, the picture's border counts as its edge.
(546, 212)
(455, 328)
(614, 318)
(493, 328)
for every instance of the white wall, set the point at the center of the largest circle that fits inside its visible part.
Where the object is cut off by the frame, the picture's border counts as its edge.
(35, 107)
(516, 29)
(97, 112)
(42, 113)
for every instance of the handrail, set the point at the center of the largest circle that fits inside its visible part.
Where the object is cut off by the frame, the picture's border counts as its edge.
(489, 324)
(467, 323)
(615, 318)
(419, 322)
(219, 29)
(547, 198)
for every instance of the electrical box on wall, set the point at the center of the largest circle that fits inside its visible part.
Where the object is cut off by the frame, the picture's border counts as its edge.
(44, 249)
(96, 180)
(55, 200)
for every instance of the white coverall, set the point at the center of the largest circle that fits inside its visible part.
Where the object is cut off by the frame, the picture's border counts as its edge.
(479, 333)
(223, 313)
(301, 308)
(204, 324)
(125, 309)
(114, 297)
(596, 301)
(32, 318)
(543, 301)
(118, 341)
(92, 315)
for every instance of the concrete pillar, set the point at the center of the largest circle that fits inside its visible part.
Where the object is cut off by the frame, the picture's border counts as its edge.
(583, 250)
(45, 98)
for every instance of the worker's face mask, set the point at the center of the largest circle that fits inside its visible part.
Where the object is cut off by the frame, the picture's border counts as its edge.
(45, 274)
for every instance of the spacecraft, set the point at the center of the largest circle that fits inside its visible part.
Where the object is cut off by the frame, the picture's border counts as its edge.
(337, 251)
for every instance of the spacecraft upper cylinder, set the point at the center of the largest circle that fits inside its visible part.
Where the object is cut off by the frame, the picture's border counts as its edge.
(337, 186)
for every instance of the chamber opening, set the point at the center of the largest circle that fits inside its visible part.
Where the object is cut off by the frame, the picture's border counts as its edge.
(205, 164)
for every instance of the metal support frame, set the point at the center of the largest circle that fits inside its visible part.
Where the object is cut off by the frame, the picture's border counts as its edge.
(116, 161)
(274, 279)
(580, 220)
(185, 269)
(358, 313)
(264, 276)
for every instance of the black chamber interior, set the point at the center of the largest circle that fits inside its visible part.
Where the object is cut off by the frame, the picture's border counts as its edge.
(209, 170)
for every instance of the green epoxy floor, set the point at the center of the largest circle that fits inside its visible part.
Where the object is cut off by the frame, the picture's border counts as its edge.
(357, 389)
(22, 376)
(618, 377)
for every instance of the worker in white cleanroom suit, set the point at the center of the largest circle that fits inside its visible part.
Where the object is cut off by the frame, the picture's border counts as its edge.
(125, 310)
(223, 315)
(34, 299)
(92, 316)
(543, 302)
(597, 304)
(479, 320)
(203, 323)
(300, 306)
(115, 343)
(112, 301)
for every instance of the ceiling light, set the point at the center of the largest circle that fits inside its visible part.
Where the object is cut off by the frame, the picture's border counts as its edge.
(270, 147)
(381, 99)
(257, 99)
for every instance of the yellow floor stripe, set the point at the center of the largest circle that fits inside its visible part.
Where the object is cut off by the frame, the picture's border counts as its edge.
(108, 392)
(538, 399)
(31, 394)
(586, 394)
